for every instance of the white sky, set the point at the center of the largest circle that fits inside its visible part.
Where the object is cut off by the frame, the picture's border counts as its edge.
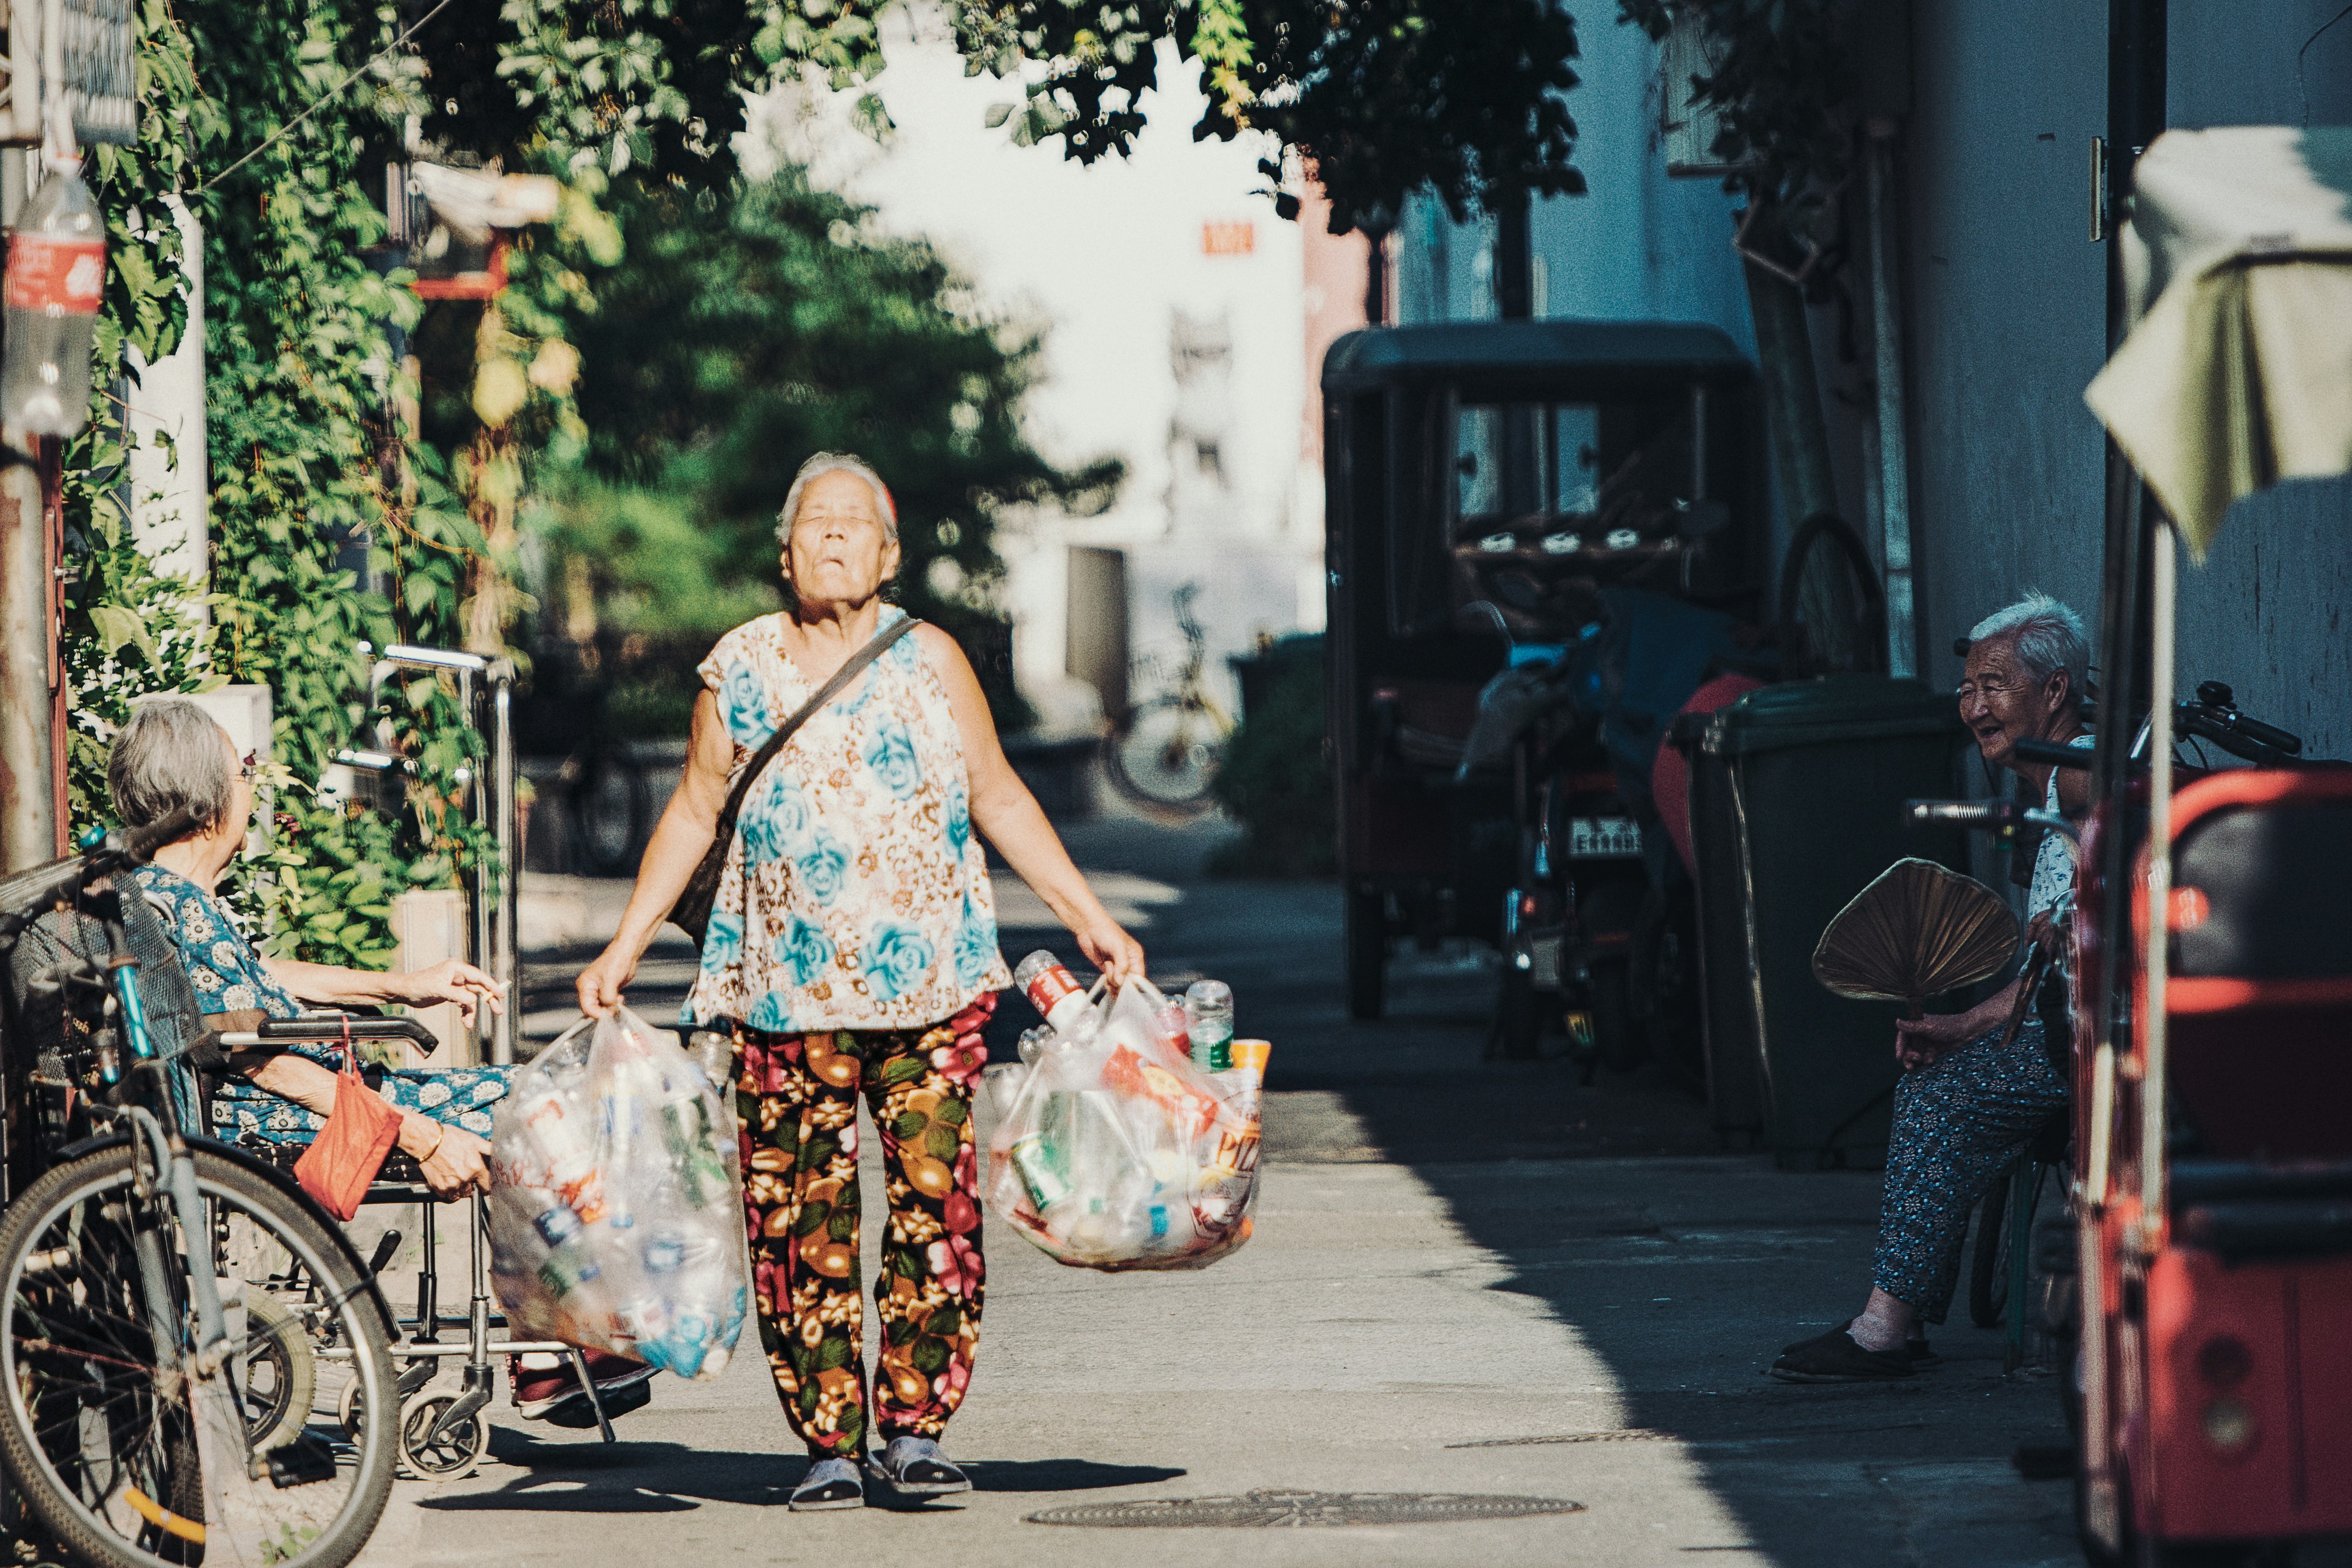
(1098, 256)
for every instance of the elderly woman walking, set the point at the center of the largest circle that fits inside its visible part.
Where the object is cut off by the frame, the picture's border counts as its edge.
(852, 946)
(1966, 1104)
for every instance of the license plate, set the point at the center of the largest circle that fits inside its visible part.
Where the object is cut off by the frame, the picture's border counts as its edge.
(1603, 837)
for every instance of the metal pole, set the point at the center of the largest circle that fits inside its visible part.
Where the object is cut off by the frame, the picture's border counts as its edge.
(28, 828)
(1894, 455)
(506, 823)
(2163, 562)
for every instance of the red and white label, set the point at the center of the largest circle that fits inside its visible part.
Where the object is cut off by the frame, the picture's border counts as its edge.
(67, 276)
(1050, 986)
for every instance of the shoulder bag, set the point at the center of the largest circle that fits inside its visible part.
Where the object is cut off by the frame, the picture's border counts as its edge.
(692, 912)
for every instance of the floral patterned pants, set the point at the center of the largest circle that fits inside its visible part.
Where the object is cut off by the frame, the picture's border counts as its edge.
(796, 1097)
(1958, 1121)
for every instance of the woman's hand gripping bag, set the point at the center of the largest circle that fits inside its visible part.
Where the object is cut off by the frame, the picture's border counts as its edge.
(1114, 1151)
(616, 1215)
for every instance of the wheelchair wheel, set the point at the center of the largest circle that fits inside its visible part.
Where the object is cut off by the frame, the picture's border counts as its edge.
(1989, 1257)
(281, 1374)
(449, 1452)
(107, 1461)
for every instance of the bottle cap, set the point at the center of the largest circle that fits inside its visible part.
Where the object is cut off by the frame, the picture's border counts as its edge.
(1252, 1054)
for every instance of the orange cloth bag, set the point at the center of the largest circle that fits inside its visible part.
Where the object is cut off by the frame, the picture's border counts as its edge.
(342, 1160)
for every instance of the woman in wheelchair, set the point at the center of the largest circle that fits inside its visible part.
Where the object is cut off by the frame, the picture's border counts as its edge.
(170, 754)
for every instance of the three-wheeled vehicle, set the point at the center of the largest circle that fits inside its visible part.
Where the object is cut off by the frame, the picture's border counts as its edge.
(2214, 1025)
(1498, 495)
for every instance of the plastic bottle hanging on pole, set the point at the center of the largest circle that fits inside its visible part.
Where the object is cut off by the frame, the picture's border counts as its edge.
(56, 278)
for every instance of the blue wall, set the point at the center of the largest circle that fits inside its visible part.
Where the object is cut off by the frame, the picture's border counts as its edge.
(1636, 247)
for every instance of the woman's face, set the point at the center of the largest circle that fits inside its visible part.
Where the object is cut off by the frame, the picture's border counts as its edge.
(2003, 704)
(840, 551)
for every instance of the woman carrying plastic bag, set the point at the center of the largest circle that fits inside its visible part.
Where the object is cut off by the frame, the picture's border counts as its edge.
(851, 950)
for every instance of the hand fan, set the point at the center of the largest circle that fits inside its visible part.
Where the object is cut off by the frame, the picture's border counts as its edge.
(1916, 932)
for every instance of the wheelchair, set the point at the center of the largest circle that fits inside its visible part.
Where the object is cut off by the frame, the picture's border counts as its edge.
(441, 1433)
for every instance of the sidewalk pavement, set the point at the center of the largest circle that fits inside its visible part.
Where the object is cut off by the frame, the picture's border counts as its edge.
(1469, 1277)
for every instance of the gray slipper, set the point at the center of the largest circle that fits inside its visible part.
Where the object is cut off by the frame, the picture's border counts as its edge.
(829, 1484)
(913, 1469)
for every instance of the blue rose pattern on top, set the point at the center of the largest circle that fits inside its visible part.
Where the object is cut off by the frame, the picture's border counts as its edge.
(772, 1012)
(854, 897)
(891, 755)
(775, 825)
(745, 706)
(897, 957)
(975, 947)
(957, 823)
(825, 868)
(804, 949)
(722, 941)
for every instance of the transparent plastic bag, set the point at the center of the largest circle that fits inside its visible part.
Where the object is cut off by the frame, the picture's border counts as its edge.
(1113, 1152)
(617, 1214)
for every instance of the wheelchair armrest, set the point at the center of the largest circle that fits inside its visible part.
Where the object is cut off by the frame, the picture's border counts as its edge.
(330, 1031)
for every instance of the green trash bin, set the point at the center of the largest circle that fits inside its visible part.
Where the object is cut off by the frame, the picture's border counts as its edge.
(1796, 803)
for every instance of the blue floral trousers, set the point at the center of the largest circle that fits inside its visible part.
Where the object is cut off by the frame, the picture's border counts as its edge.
(1959, 1120)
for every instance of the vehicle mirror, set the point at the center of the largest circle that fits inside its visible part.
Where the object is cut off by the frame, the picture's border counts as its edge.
(1697, 519)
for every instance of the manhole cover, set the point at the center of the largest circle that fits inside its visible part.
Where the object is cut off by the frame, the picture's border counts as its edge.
(1302, 1510)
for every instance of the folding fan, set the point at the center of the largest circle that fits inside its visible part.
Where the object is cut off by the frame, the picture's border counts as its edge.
(1916, 932)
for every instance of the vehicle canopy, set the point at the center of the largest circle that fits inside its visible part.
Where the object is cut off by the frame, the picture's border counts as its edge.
(2238, 266)
(1527, 464)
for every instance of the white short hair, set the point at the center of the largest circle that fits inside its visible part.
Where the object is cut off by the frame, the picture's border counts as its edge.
(2050, 637)
(836, 462)
(170, 754)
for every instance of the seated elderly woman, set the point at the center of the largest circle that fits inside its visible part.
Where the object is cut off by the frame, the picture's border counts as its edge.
(1965, 1106)
(172, 754)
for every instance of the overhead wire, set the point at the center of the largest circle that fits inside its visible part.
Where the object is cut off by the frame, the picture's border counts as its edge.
(323, 98)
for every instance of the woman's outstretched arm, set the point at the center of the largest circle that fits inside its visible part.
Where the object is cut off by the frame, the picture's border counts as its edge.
(1009, 816)
(680, 840)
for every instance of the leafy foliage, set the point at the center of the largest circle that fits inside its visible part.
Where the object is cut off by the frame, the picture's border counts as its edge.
(1382, 98)
(746, 333)
(1276, 780)
(1786, 70)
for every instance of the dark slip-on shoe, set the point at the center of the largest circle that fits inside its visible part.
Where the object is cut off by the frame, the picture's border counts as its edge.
(1835, 1358)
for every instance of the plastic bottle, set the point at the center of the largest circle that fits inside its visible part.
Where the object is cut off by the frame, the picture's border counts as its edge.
(569, 1264)
(1033, 1041)
(687, 1137)
(1209, 1020)
(570, 1154)
(56, 278)
(1052, 989)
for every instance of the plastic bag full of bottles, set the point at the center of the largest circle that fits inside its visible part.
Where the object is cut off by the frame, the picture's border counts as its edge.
(616, 1214)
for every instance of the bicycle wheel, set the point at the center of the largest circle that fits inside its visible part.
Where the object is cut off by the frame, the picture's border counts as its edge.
(1167, 753)
(108, 1453)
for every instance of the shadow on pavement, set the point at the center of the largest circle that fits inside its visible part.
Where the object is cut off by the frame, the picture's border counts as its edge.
(673, 1478)
(1615, 1206)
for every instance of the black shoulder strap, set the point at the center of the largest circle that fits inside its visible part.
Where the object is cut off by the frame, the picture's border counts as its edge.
(851, 668)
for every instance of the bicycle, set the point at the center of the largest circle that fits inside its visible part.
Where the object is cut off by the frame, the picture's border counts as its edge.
(1164, 753)
(157, 1410)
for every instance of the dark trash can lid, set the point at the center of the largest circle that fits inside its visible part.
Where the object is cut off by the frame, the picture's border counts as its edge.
(1829, 711)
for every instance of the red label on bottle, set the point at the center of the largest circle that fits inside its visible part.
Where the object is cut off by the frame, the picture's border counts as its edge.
(1049, 987)
(49, 274)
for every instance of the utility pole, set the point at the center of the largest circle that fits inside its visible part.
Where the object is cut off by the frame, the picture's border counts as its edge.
(30, 681)
(1515, 262)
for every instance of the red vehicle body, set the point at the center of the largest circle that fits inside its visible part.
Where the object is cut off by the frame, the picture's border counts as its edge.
(2216, 1225)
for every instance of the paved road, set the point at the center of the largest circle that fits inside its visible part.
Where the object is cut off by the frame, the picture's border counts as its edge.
(1469, 1277)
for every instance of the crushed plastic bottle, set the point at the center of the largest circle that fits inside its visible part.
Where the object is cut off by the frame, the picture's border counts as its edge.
(56, 280)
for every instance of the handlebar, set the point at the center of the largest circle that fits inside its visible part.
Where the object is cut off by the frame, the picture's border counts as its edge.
(1965, 813)
(23, 897)
(330, 1031)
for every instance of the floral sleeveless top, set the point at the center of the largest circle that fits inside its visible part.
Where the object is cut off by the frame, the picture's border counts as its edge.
(855, 896)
